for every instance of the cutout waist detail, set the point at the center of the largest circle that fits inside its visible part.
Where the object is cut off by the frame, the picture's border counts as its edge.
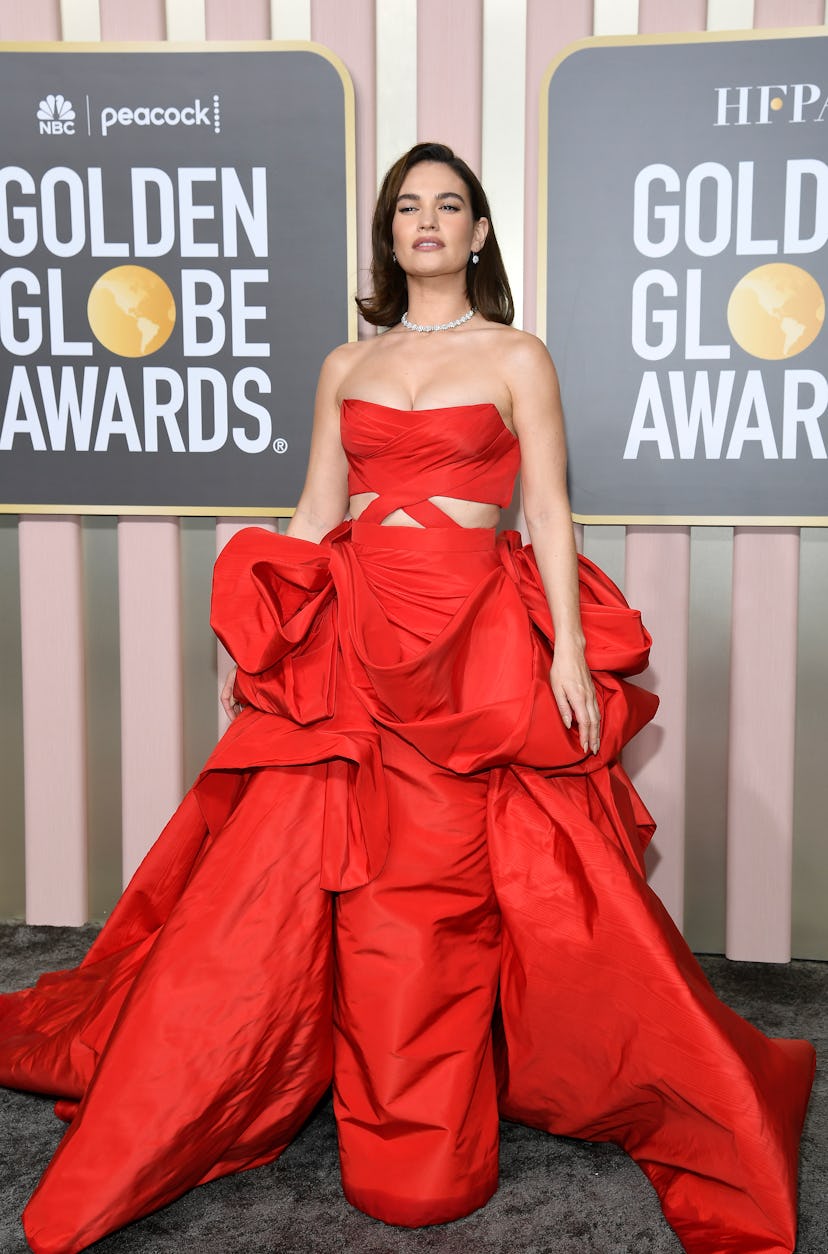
(425, 511)
(423, 539)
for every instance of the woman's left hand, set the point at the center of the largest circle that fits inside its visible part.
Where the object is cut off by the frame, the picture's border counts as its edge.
(574, 694)
(232, 707)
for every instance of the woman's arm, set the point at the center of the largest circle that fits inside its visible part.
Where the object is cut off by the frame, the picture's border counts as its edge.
(538, 421)
(324, 499)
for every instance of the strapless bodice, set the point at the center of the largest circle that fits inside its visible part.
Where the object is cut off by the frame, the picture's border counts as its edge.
(407, 456)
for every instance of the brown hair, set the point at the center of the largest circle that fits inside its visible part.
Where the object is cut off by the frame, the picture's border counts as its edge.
(487, 286)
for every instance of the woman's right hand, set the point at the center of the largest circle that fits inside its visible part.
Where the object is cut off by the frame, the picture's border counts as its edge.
(232, 707)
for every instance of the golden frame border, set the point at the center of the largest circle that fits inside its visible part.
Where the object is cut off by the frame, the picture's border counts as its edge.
(595, 41)
(219, 45)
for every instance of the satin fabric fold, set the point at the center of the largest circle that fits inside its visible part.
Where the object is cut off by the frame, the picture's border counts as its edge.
(396, 845)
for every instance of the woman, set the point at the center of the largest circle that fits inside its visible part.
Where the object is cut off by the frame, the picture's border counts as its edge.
(415, 764)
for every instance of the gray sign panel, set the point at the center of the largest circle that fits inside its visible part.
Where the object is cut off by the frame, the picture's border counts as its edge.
(686, 266)
(175, 236)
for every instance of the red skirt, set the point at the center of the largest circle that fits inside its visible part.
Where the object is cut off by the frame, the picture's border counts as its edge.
(399, 873)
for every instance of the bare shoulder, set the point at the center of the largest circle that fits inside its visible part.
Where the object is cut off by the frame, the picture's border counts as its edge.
(345, 362)
(521, 351)
(525, 366)
(341, 360)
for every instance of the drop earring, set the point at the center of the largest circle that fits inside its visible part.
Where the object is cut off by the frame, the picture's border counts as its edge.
(474, 259)
(394, 255)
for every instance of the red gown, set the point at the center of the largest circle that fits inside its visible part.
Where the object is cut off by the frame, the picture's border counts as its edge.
(399, 873)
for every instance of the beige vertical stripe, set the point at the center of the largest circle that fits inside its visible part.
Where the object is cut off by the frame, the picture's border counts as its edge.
(54, 739)
(729, 14)
(290, 19)
(504, 131)
(615, 17)
(186, 20)
(80, 20)
(396, 53)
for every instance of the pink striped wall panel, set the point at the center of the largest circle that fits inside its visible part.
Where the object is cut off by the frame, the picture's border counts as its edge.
(349, 31)
(761, 762)
(29, 20)
(449, 75)
(121, 21)
(152, 722)
(227, 19)
(139, 685)
(658, 583)
(54, 719)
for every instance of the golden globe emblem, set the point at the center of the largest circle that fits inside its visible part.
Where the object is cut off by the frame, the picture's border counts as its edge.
(776, 311)
(131, 311)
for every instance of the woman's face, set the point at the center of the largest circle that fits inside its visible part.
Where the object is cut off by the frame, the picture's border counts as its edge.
(433, 230)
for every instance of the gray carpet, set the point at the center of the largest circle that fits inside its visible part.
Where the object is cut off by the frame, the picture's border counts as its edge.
(556, 1196)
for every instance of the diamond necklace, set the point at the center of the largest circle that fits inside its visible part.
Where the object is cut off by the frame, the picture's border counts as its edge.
(439, 326)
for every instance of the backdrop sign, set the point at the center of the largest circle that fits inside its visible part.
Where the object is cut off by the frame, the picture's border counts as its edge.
(685, 223)
(176, 229)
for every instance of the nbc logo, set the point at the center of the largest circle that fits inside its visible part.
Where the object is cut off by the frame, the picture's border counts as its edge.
(56, 116)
